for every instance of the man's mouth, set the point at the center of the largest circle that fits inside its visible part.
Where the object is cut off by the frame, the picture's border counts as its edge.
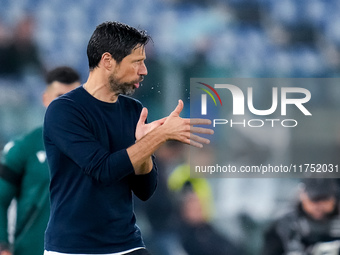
(136, 85)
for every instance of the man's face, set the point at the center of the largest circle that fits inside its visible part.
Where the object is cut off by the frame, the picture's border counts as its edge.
(318, 210)
(56, 89)
(192, 209)
(127, 75)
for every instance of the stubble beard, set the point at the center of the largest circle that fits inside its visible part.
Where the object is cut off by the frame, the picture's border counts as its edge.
(118, 88)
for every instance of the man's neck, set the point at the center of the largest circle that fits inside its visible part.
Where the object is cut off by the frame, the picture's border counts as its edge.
(98, 87)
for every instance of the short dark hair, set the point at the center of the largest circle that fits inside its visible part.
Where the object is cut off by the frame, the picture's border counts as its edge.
(63, 74)
(116, 38)
(319, 189)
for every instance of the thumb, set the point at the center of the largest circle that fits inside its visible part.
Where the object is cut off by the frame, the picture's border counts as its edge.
(178, 108)
(143, 116)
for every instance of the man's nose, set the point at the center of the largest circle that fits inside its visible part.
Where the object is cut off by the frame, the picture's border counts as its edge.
(143, 70)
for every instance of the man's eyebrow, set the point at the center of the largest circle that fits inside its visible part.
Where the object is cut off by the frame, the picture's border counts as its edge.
(139, 58)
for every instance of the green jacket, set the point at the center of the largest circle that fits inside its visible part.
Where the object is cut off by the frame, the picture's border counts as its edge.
(24, 176)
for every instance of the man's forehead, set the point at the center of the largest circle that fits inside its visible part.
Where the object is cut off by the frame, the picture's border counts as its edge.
(138, 50)
(137, 53)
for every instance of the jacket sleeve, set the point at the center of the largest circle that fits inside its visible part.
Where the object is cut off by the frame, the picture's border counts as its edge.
(7, 192)
(12, 164)
(143, 186)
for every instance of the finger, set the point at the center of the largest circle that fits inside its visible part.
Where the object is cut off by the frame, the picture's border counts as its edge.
(143, 116)
(195, 144)
(161, 121)
(201, 130)
(199, 139)
(158, 123)
(178, 108)
(200, 121)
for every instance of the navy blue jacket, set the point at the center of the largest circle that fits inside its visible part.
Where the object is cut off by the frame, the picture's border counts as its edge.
(92, 178)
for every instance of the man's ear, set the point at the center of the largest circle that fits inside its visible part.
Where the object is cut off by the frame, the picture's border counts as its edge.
(107, 61)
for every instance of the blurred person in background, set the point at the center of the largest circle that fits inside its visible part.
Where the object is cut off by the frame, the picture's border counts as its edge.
(19, 53)
(198, 236)
(312, 227)
(6, 50)
(180, 176)
(195, 207)
(24, 176)
(27, 56)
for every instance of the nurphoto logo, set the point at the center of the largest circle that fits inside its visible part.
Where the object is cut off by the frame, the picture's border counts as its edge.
(282, 98)
(204, 97)
(267, 127)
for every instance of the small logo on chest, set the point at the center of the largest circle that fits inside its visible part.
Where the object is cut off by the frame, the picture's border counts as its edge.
(41, 155)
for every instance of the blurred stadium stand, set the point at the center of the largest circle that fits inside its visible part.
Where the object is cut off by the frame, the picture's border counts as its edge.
(218, 38)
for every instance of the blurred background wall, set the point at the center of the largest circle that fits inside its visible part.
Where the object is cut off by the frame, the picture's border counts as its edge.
(235, 38)
(202, 38)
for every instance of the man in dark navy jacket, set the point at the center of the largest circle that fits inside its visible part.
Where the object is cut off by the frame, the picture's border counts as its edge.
(99, 149)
